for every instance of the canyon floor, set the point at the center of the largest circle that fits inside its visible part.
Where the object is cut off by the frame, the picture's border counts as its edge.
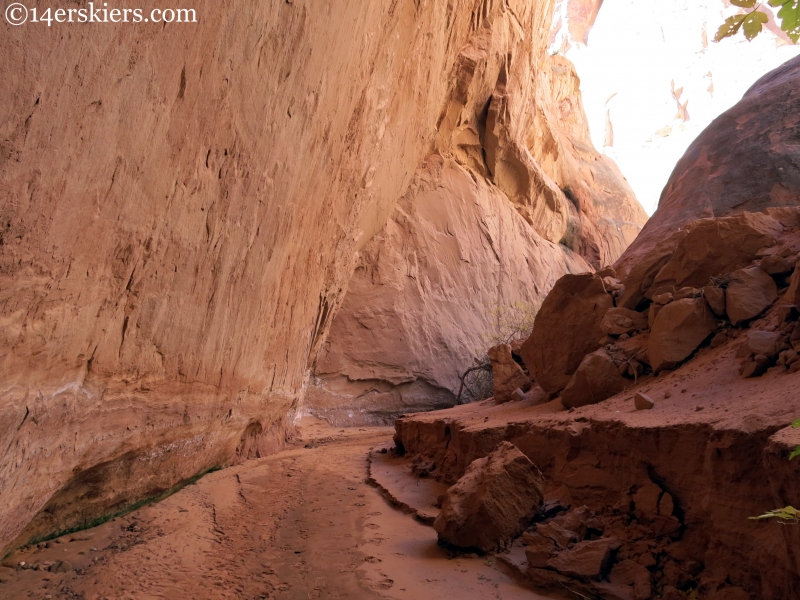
(303, 523)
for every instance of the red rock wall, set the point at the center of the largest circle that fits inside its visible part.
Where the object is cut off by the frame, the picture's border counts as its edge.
(181, 208)
(521, 199)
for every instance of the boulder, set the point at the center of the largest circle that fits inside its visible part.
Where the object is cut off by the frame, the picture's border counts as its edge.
(793, 293)
(715, 296)
(775, 265)
(492, 503)
(538, 549)
(767, 343)
(561, 536)
(687, 292)
(586, 560)
(663, 298)
(507, 374)
(596, 379)
(679, 329)
(618, 321)
(567, 328)
(707, 248)
(714, 178)
(750, 292)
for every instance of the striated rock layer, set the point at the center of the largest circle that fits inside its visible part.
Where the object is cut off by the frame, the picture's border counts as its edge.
(180, 211)
(513, 197)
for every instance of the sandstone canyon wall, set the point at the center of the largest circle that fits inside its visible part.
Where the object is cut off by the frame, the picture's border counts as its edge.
(674, 378)
(513, 197)
(181, 209)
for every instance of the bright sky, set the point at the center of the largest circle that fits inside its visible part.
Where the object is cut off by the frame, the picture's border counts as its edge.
(636, 50)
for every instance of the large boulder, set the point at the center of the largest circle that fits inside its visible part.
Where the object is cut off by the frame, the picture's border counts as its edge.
(506, 373)
(596, 379)
(750, 292)
(566, 329)
(492, 503)
(703, 249)
(715, 176)
(679, 329)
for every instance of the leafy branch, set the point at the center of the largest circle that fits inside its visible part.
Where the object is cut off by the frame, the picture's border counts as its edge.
(752, 23)
(787, 514)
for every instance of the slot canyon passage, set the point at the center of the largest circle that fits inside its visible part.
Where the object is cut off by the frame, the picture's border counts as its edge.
(246, 262)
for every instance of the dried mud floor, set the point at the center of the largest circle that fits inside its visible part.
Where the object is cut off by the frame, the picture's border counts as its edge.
(299, 524)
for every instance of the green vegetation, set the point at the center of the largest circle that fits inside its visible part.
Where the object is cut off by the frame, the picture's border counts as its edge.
(751, 23)
(121, 513)
(787, 514)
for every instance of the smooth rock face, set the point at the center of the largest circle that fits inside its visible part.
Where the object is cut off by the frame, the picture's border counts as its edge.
(492, 503)
(423, 300)
(715, 176)
(513, 198)
(566, 329)
(507, 374)
(679, 329)
(596, 379)
(750, 292)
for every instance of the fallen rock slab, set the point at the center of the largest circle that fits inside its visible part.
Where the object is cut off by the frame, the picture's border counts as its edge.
(750, 292)
(596, 379)
(679, 328)
(586, 560)
(492, 503)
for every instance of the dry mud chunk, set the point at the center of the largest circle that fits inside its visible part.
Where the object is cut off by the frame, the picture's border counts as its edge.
(492, 503)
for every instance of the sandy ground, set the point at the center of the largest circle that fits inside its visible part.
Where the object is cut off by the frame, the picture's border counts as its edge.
(300, 524)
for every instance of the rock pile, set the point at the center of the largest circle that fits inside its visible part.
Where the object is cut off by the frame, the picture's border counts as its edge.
(617, 554)
(722, 275)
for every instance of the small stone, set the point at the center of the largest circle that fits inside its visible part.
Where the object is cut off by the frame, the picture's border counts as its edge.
(667, 394)
(643, 401)
(687, 292)
(719, 339)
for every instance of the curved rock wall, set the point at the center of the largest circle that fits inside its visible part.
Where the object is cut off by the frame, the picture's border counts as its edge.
(514, 197)
(180, 210)
(424, 296)
(747, 160)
